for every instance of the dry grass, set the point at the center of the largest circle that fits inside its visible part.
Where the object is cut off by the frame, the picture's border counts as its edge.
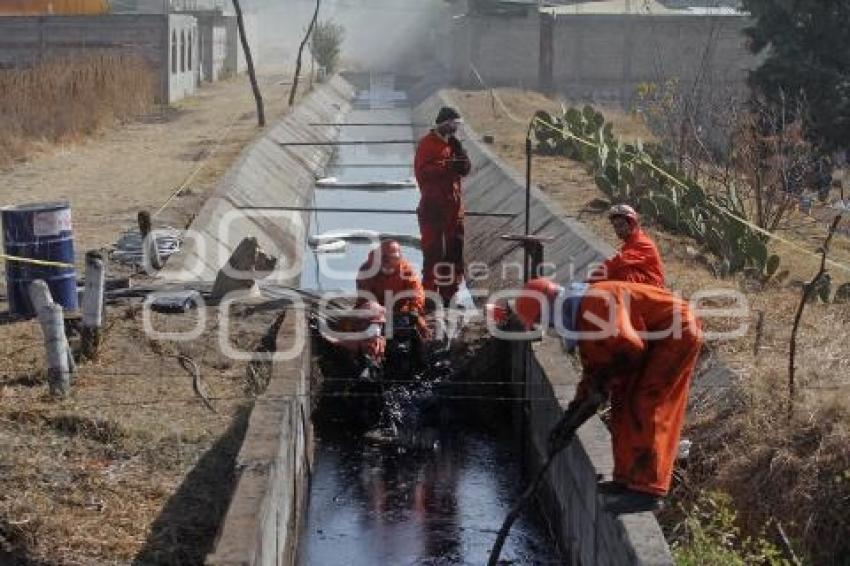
(67, 99)
(131, 465)
(794, 471)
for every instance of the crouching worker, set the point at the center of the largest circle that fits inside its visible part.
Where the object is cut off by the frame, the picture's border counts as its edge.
(638, 346)
(360, 333)
(638, 260)
(388, 279)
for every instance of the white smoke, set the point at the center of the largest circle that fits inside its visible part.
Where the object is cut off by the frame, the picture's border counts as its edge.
(380, 35)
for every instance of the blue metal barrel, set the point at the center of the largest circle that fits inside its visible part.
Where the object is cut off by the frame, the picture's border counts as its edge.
(39, 231)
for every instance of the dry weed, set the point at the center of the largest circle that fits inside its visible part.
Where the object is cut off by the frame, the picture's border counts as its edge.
(66, 99)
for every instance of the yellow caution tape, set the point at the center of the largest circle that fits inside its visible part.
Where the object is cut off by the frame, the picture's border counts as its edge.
(566, 133)
(41, 262)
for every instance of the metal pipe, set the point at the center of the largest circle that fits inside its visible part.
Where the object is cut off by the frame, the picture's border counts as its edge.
(370, 210)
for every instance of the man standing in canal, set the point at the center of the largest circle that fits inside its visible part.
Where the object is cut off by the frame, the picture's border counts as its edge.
(440, 164)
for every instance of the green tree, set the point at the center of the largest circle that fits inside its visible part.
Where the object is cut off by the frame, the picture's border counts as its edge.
(806, 50)
(326, 43)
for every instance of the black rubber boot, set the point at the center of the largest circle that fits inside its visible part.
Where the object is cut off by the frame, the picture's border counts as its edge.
(610, 487)
(630, 501)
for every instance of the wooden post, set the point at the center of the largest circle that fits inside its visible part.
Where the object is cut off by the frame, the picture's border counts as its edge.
(93, 304)
(56, 347)
(40, 297)
(150, 253)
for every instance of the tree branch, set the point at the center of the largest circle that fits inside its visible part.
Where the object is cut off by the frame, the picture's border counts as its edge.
(807, 293)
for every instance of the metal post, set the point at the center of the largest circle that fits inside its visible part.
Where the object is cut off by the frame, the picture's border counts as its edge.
(527, 197)
(93, 304)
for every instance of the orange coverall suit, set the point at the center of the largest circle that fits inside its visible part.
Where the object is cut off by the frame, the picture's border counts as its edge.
(638, 261)
(440, 213)
(385, 287)
(648, 377)
(373, 346)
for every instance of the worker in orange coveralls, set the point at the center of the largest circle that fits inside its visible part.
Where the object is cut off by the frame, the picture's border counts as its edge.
(387, 278)
(440, 164)
(361, 333)
(638, 261)
(639, 345)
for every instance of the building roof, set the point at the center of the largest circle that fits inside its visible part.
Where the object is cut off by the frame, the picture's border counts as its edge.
(644, 7)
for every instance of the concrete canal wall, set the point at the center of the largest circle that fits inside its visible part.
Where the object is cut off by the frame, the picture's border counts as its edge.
(267, 174)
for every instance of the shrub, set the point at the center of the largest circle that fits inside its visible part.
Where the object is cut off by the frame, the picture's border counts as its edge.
(711, 537)
(325, 44)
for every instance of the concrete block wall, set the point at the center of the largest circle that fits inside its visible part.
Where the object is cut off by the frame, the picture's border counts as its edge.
(266, 174)
(262, 523)
(605, 57)
(599, 57)
(505, 50)
(26, 40)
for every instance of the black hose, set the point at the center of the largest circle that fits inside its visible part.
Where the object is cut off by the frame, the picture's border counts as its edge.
(573, 418)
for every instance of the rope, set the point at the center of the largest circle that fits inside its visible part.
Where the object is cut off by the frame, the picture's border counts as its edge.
(185, 184)
(649, 163)
(496, 97)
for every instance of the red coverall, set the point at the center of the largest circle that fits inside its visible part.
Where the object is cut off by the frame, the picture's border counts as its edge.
(383, 287)
(438, 172)
(638, 261)
(648, 378)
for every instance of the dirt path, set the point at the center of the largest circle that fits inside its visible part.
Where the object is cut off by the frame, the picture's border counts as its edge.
(109, 178)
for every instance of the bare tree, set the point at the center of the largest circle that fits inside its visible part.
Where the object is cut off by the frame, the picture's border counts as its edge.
(249, 59)
(773, 158)
(304, 41)
(812, 287)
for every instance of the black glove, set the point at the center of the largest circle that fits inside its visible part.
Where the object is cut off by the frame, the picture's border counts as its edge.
(457, 147)
(460, 160)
